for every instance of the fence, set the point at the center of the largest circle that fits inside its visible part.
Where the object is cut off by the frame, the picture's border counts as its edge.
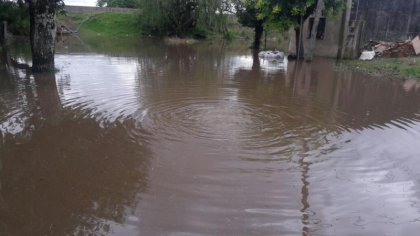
(389, 35)
(81, 9)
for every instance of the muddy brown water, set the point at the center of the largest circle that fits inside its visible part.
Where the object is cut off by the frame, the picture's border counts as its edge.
(205, 140)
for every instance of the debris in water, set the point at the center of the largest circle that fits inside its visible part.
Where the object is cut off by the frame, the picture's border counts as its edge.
(272, 55)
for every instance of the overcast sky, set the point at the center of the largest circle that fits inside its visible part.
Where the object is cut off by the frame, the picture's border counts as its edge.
(80, 2)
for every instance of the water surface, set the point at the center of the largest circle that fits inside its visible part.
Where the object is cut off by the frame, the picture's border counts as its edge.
(205, 140)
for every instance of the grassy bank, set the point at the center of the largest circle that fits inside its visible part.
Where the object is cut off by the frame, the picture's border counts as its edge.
(107, 25)
(112, 25)
(390, 68)
(102, 29)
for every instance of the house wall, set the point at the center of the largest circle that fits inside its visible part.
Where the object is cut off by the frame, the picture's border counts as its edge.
(326, 47)
(386, 20)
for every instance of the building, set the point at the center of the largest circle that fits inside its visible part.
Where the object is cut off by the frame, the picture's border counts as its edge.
(343, 36)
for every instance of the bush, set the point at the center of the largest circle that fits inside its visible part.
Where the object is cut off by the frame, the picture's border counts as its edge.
(229, 35)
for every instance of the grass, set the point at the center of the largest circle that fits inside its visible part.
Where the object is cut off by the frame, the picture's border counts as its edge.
(70, 20)
(391, 68)
(112, 25)
(105, 25)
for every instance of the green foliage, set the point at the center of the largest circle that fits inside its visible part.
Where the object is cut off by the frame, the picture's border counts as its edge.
(212, 15)
(16, 13)
(118, 3)
(248, 13)
(153, 20)
(285, 13)
(412, 71)
(16, 16)
(333, 7)
(182, 17)
(229, 35)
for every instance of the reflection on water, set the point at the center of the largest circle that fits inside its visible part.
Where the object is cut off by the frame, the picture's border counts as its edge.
(205, 140)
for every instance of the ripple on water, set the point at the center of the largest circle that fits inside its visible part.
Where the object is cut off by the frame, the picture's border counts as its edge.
(203, 118)
(270, 132)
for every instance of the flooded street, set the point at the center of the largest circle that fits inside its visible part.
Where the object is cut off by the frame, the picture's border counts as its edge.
(205, 140)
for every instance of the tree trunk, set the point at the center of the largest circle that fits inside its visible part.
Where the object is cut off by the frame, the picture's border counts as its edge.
(3, 33)
(43, 33)
(314, 31)
(299, 44)
(259, 30)
(48, 98)
(255, 61)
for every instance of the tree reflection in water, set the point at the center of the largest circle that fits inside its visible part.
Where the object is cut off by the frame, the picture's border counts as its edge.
(62, 165)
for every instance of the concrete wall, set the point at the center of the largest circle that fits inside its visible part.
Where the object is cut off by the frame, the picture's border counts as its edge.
(81, 9)
(326, 47)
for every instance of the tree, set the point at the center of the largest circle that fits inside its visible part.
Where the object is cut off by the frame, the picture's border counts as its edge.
(286, 14)
(212, 15)
(118, 3)
(16, 15)
(170, 17)
(42, 15)
(182, 17)
(248, 15)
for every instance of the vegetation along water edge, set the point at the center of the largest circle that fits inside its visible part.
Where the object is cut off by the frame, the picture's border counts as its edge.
(387, 68)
